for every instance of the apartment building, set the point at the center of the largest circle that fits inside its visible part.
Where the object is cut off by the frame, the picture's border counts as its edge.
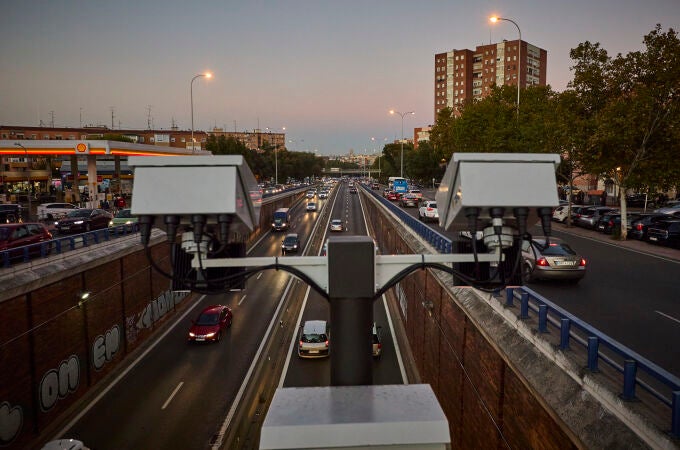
(461, 75)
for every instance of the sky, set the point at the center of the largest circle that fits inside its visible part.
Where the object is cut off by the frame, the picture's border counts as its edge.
(327, 71)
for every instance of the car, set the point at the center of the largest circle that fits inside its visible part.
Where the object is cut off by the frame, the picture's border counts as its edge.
(323, 194)
(311, 206)
(65, 444)
(665, 232)
(124, 218)
(376, 331)
(392, 196)
(375, 186)
(83, 220)
(336, 225)
(669, 208)
(588, 217)
(639, 227)
(311, 194)
(352, 190)
(408, 200)
(314, 341)
(15, 236)
(561, 213)
(210, 324)
(11, 213)
(418, 194)
(551, 260)
(53, 211)
(385, 192)
(611, 222)
(428, 211)
(290, 244)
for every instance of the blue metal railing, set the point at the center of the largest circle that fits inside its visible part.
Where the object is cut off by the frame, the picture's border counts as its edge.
(63, 244)
(631, 365)
(438, 240)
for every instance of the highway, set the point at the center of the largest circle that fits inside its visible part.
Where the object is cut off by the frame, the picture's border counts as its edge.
(177, 395)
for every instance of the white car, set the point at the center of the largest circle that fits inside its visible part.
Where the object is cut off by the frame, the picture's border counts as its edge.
(428, 211)
(336, 225)
(54, 211)
(417, 193)
(311, 206)
(314, 339)
(561, 213)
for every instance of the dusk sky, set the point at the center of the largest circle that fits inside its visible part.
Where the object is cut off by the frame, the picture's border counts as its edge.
(329, 71)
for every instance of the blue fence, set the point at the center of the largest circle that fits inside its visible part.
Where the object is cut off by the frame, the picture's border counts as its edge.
(436, 239)
(63, 244)
(599, 348)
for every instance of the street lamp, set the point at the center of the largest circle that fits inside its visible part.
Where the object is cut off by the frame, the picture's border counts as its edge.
(495, 19)
(401, 173)
(276, 155)
(28, 169)
(191, 95)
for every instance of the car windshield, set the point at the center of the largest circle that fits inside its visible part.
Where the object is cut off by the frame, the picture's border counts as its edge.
(314, 338)
(336, 222)
(210, 318)
(557, 249)
(80, 213)
(290, 240)
(124, 214)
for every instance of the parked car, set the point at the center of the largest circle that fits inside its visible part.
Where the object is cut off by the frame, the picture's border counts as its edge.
(670, 207)
(639, 227)
(555, 260)
(611, 222)
(560, 213)
(639, 200)
(211, 323)
(408, 200)
(290, 244)
(336, 225)
(665, 232)
(53, 211)
(576, 212)
(11, 213)
(588, 217)
(314, 341)
(125, 218)
(15, 236)
(83, 220)
(377, 340)
(428, 211)
(311, 206)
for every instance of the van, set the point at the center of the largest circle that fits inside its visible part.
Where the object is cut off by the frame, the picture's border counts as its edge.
(281, 219)
(314, 339)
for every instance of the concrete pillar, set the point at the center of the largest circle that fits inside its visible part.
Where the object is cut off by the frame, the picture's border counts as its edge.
(92, 180)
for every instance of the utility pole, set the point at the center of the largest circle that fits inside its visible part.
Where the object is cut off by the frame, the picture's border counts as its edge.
(112, 116)
(148, 117)
(52, 119)
(81, 117)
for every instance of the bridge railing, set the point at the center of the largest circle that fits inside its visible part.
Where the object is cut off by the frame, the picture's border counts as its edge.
(436, 239)
(635, 370)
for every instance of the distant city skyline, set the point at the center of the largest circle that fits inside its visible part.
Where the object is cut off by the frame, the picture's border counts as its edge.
(327, 71)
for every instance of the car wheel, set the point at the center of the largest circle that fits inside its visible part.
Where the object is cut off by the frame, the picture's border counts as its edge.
(527, 276)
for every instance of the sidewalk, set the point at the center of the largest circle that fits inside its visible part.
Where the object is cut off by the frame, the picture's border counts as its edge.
(632, 244)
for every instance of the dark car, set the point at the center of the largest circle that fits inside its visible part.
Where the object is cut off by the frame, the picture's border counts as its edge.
(589, 217)
(611, 222)
(83, 220)
(408, 200)
(210, 324)
(14, 237)
(665, 232)
(554, 260)
(10, 213)
(639, 227)
(290, 244)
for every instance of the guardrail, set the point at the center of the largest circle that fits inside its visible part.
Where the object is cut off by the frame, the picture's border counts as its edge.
(438, 240)
(63, 244)
(637, 371)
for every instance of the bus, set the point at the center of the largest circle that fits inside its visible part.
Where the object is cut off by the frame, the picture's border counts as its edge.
(281, 219)
(398, 185)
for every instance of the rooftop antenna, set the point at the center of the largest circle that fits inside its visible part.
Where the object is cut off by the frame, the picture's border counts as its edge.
(148, 117)
(52, 119)
(112, 115)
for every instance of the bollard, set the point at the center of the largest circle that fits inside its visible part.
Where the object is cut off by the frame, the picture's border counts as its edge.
(675, 420)
(565, 325)
(629, 373)
(509, 294)
(593, 347)
(542, 318)
(524, 306)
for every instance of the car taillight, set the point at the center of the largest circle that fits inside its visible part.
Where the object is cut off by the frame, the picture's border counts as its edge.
(430, 209)
(638, 227)
(542, 262)
(300, 343)
(326, 342)
(379, 346)
(611, 223)
(582, 263)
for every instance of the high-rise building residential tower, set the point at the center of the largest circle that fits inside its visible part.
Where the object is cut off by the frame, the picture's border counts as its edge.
(461, 75)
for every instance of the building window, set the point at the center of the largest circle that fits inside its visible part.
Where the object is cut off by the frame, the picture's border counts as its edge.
(184, 139)
(58, 137)
(33, 136)
(47, 136)
(71, 137)
(172, 139)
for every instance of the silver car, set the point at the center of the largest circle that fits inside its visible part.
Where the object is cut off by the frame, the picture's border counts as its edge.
(336, 225)
(314, 339)
(554, 261)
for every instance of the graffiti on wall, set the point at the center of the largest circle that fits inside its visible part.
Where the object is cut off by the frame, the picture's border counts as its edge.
(11, 421)
(58, 383)
(153, 312)
(105, 346)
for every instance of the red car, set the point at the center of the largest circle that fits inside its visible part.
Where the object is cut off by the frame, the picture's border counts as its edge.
(14, 236)
(210, 324)
(392, 196)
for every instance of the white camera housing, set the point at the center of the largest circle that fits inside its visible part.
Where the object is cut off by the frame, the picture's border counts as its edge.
(489, 180)
(185, 186)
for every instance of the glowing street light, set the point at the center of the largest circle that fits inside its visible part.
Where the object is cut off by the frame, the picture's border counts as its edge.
(191, 94)
(495, 19)
(393, 112)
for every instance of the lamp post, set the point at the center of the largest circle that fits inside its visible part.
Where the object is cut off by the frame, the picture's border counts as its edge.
(276, 155)
(401, 173)
(28, 169)
(495, 19)
(191, 95)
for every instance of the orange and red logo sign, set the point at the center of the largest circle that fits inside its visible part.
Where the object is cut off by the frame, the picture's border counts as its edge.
(82, 147)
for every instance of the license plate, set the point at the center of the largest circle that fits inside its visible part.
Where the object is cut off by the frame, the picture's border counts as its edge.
(652, 238)
(313, 351)
(200, 338)
(65, 228)
(564, 263)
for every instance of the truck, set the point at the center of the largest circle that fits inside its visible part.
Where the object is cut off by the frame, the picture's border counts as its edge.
(398, 185)
(281, 219)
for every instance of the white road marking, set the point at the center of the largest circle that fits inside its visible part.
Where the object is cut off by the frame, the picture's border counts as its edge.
(258, 276)
(394, 341)
(667, 316)
(167, 402)
(293, 341)
(241, 301)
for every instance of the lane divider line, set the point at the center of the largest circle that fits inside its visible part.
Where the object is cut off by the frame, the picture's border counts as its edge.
(241, 301)
(167, 402)
(667, 316)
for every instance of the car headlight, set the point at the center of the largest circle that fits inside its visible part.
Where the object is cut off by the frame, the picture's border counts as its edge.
(111, 223)
(78, 222)
(128, 222)
(191, 334)
(209, 335)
